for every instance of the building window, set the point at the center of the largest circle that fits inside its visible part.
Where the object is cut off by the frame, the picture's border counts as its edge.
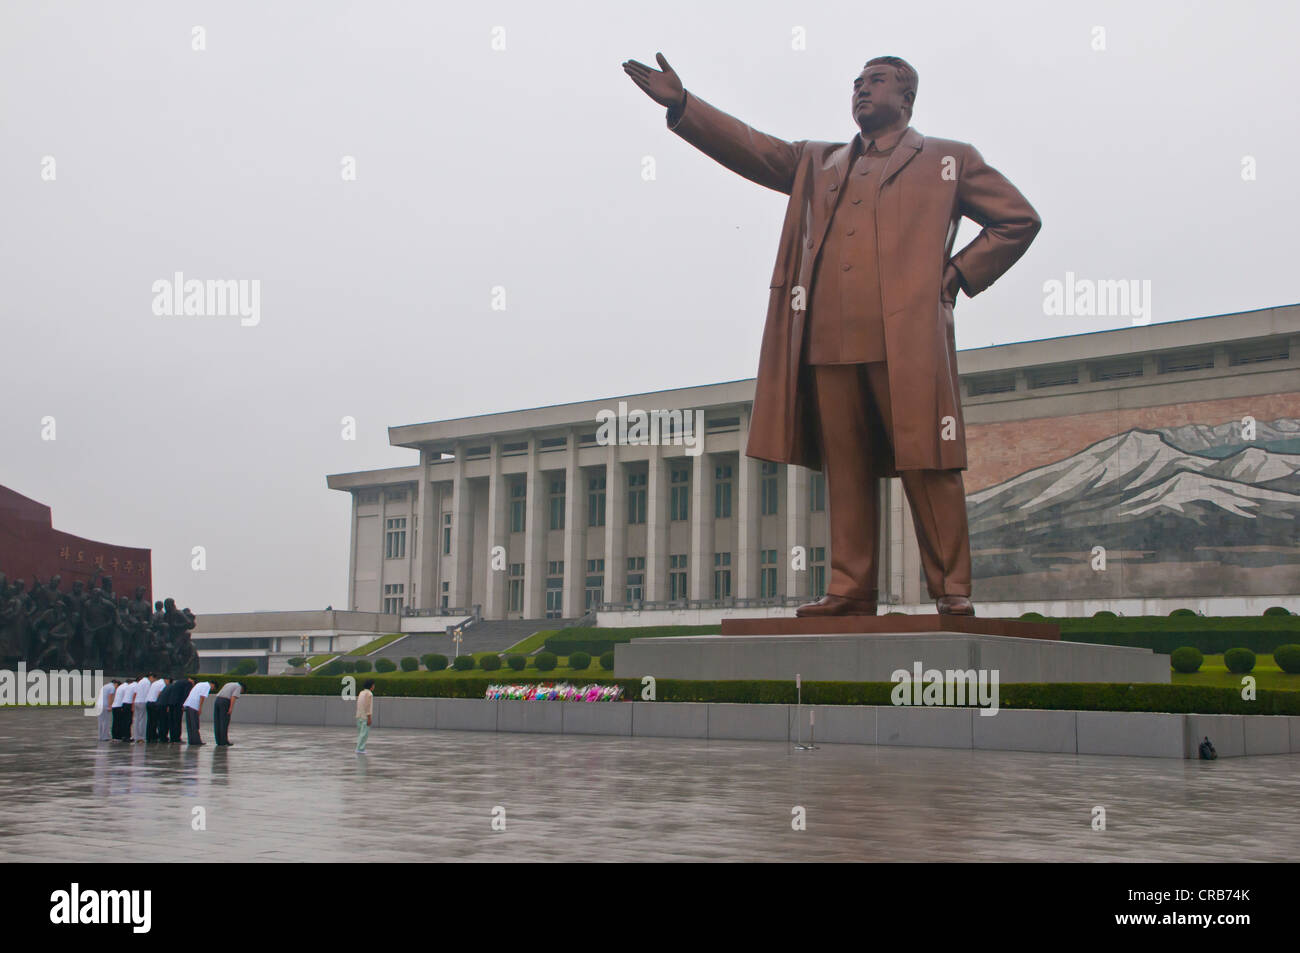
(991, 384)
(557, 502)
(394, 598)
(818, 571)
(555, 589)
(679, 497)
(1185, 361)
(518, 506)
(594, 584)
(635, 498)
(446, 595)
(395, 538)
(516, 587)
(817, 493)
(722, 575)
(769, 492)
(767, 574)
(677, 586)
(446, 534)
(635, 578)
(722, 493)
(596, 501)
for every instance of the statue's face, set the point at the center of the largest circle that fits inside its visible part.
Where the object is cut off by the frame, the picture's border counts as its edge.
(879, 99)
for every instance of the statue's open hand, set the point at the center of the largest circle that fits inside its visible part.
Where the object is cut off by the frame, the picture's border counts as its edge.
(662, 85)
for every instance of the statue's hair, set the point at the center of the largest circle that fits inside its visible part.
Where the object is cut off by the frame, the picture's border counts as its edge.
(903, 70)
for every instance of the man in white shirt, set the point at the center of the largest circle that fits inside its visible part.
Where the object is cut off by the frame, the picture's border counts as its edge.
(153, 726)
(105, 719)
(122, 711)
(222, 709)
(139, 702)
(193, 708)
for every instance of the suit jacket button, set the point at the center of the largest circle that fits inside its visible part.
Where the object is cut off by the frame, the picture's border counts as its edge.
(834, 186)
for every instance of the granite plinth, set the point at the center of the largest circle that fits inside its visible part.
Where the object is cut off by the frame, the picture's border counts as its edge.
(893, 625)
(874, 657)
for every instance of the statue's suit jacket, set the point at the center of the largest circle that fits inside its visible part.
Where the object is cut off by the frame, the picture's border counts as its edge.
(927, 186)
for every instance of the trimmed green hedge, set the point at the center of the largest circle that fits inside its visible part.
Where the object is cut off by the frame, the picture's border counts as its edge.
(517, 663)
(545, 661)
(384, 665)
(1186, 659)
(410, 664)
(1213, 635)
(463, 663)
(1239, 661)
(434, 662)
(1180, 699)
(490, 663)
(1287, 658)
(607, 661)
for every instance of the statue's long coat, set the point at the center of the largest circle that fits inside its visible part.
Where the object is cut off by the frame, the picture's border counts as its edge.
(927, 186)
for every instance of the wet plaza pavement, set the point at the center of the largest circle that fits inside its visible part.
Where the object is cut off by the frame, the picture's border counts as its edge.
(301, 794)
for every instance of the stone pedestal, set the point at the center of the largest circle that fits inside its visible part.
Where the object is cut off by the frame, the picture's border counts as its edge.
(892, 624)
(874, 657)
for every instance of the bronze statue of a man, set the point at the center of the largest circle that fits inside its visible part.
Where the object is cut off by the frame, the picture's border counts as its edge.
(857, 373)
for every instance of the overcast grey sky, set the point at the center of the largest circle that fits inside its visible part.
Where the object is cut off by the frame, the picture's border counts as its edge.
(522, 168)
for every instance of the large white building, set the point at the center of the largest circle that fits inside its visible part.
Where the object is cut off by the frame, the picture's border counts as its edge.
(530, 513)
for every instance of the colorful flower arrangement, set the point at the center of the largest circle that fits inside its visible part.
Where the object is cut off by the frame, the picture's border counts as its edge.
(563, 692)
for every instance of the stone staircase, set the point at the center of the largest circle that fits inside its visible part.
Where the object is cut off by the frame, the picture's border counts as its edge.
(490, 635)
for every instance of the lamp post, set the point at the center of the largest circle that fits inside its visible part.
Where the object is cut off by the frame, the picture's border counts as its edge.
(456, 637)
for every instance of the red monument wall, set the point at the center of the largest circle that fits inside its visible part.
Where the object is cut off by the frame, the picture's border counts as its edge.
(30, 547)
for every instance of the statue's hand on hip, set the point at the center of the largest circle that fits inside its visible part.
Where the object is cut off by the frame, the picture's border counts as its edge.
(951, 285)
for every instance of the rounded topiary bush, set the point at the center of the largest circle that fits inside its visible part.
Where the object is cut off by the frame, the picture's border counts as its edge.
(363, 665)
(517, 663)
(385, 665)
(1239, 661)
(1186, 659)
(245, 667)
(297, 661)
(1033, 616)
(546, 661)
(463, 663)
(410, 664)
(607, 661)
(578, 661)
(1104, 614)
(349, 665)
(434, 662)
(1277, 610)
(490, 663)
(1288, 658)
(332, 668)
(1181, 612)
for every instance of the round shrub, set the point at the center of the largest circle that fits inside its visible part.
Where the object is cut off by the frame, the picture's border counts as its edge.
(1186, 659)
(333, 668)
(385, 665)
(463, 663)
(578, 661)
(1239, 661)
(1277, 610)
(434, 662)
(516, 662)
(490, 663)
(1181, 612)
(1288, 658)
(607, 661)
(297, 661)
(410, 664)
(1104, 614)
(1033, 616)
(363, 665)
(546, 661)
(348, 665)
(245, 667)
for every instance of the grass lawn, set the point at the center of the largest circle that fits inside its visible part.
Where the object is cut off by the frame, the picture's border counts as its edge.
(531, 644)
(373, 645)
(318, 660)
(561, 672)
(1213, 674)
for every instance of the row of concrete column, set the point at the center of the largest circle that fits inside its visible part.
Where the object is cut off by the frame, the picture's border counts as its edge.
(900, 563)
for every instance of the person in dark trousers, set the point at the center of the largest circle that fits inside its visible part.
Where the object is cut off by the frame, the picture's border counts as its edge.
(222, 709)
(180, 690)
(193, 709)
(153, 730)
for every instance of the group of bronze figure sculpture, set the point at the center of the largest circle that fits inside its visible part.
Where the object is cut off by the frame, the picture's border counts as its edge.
(93, 629)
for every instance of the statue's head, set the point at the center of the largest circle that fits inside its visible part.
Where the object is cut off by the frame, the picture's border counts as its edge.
(55, 582)
(78, 586)
(157, 606)
(169, 604)
(883, 93)
(139, 593)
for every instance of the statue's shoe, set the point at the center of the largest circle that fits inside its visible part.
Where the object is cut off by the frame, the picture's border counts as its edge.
(832, 605)
(955, 605)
